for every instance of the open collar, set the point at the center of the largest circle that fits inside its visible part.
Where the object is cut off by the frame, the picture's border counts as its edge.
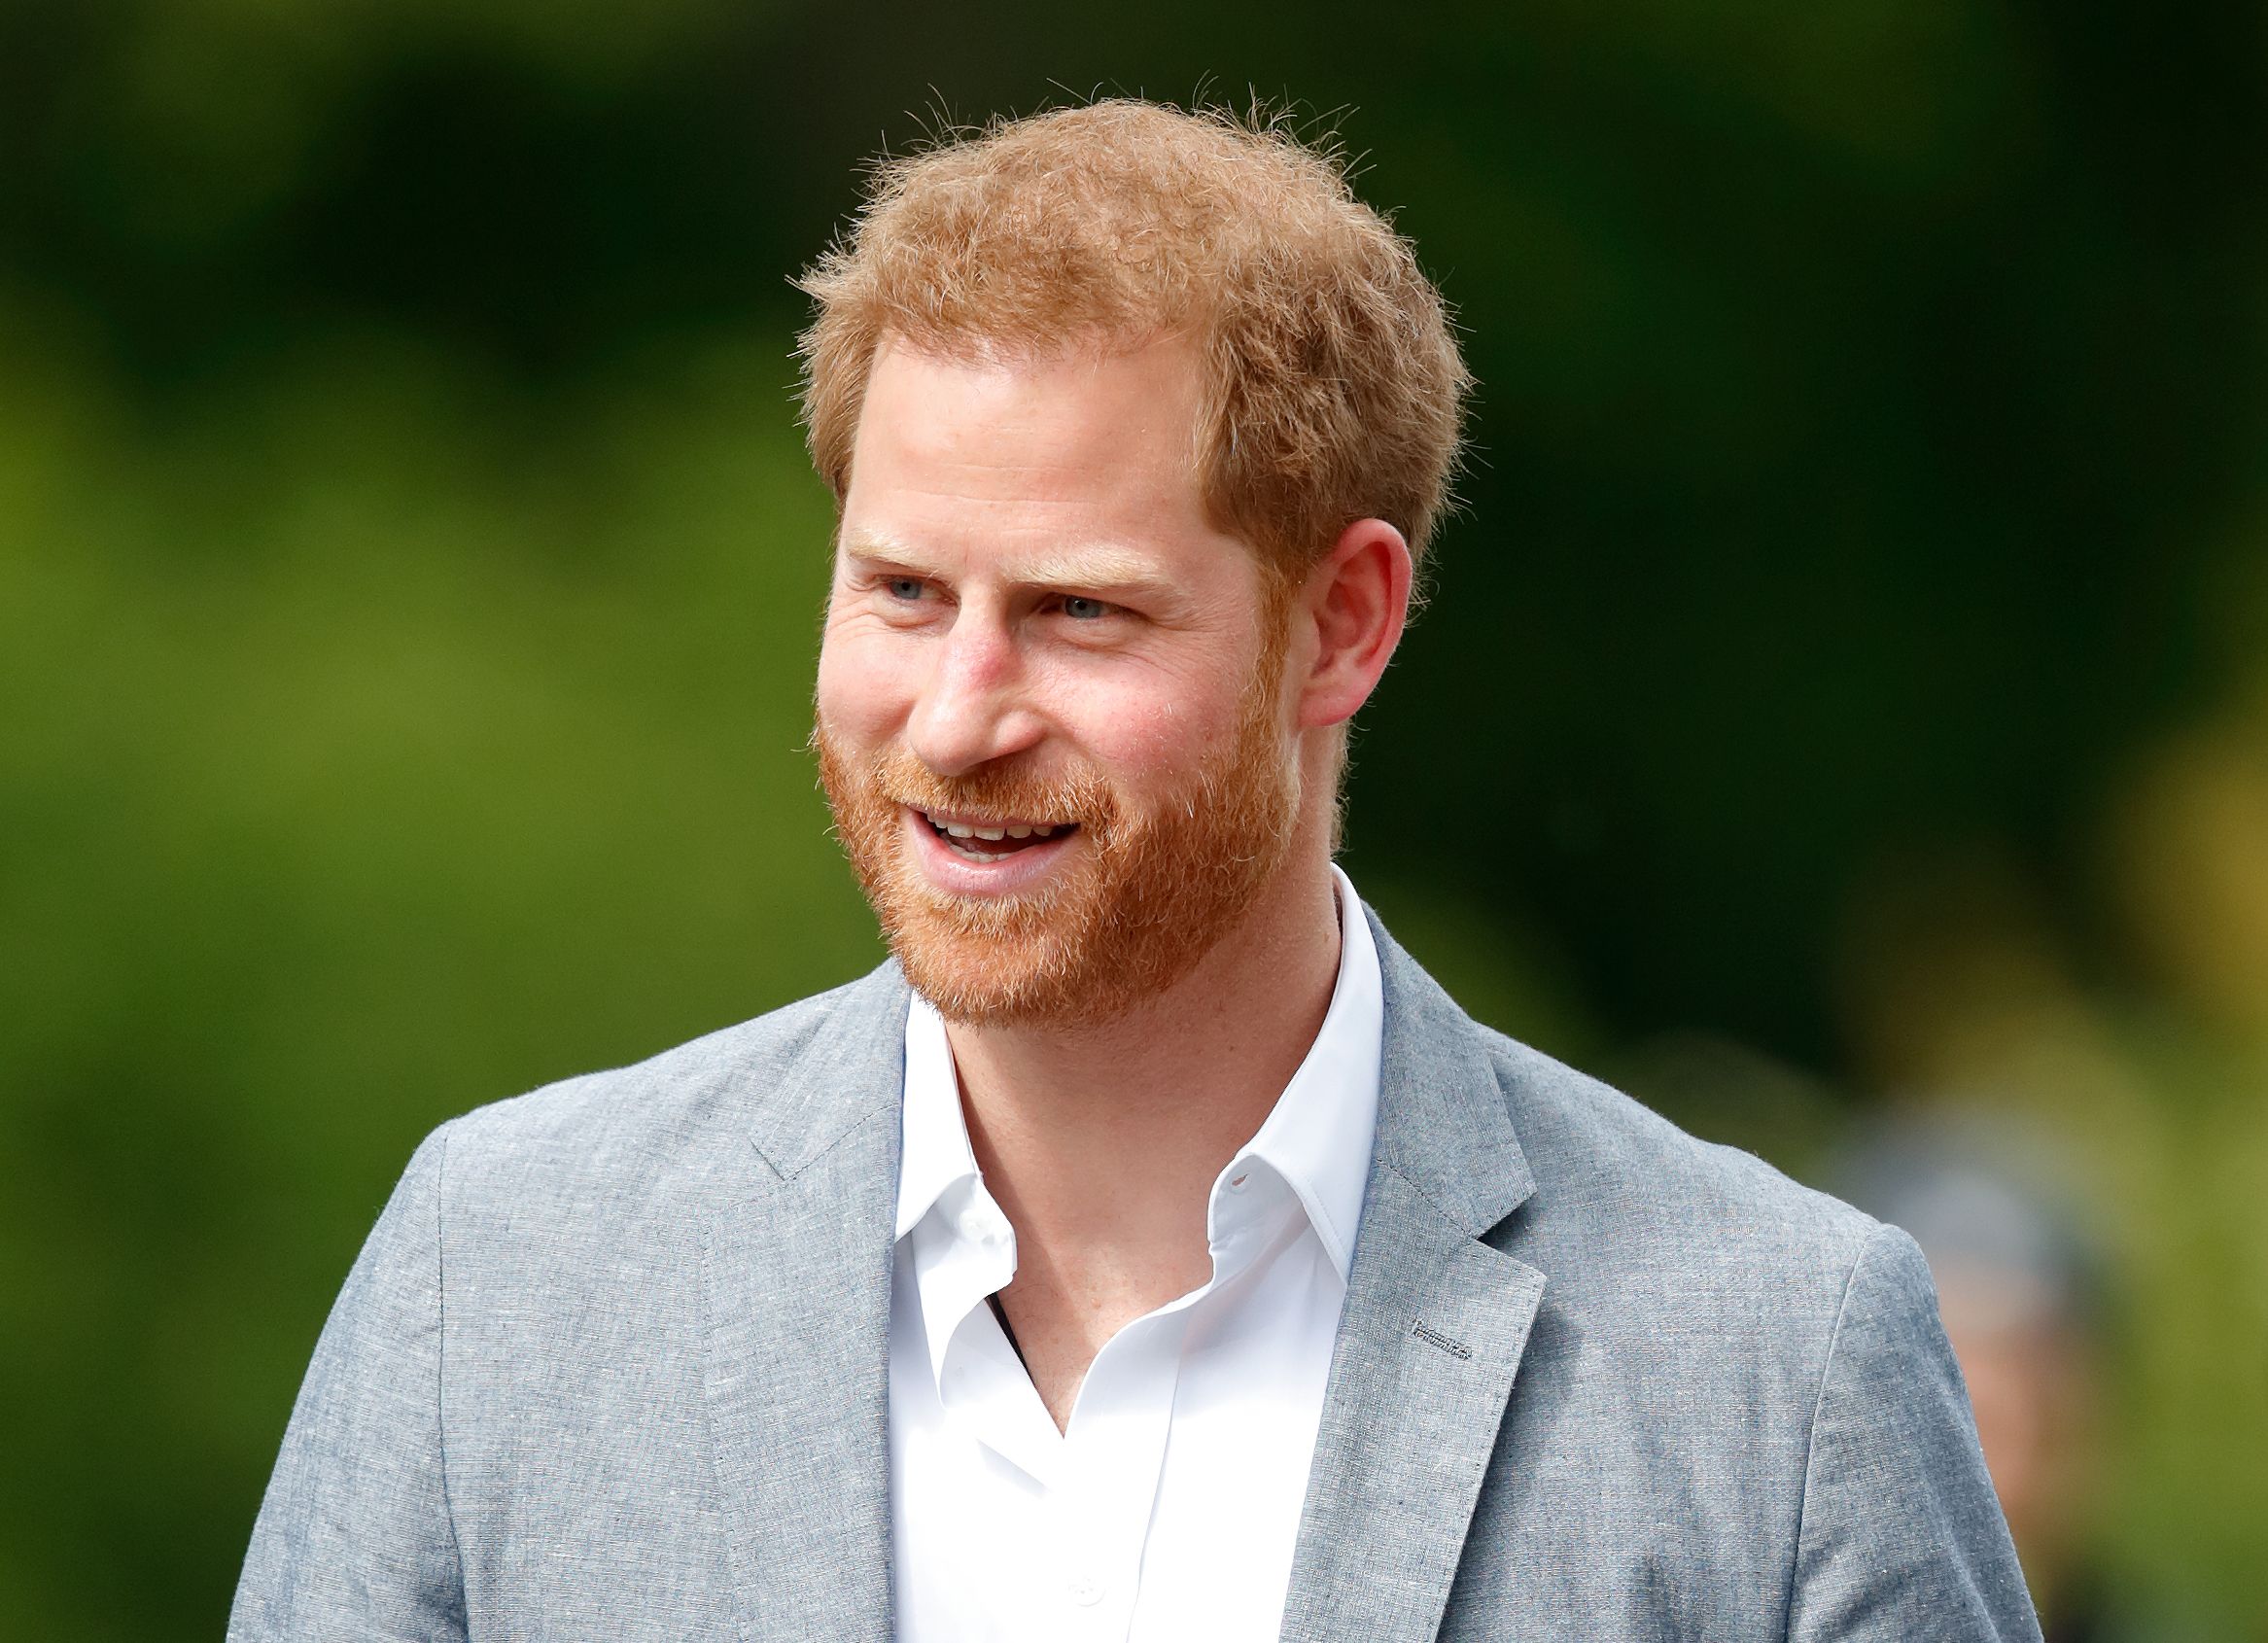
(1317, 1138)
(798, 1255)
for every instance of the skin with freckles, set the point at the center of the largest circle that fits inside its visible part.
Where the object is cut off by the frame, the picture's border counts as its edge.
(1033, 622)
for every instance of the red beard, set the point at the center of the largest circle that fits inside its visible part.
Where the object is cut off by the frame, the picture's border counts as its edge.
(1146, 890)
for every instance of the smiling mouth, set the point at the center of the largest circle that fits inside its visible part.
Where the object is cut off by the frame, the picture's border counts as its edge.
(978, 840)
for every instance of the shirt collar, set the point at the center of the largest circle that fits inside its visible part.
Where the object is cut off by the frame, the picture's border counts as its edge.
(937, 1152)
(1318, 1138)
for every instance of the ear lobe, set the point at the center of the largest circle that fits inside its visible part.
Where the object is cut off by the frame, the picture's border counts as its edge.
(1358, 598)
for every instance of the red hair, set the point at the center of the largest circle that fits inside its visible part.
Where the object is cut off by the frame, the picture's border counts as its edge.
(1334, 389)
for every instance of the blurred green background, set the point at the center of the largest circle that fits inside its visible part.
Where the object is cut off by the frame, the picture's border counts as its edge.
(1844, 699)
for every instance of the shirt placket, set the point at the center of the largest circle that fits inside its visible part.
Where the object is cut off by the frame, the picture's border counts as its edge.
(982, 1385)
(1114, 1456)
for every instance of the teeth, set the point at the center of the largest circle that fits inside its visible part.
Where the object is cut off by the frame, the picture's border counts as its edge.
(1018, 830)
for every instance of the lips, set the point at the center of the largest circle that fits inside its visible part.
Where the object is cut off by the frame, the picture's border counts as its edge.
(984, 839)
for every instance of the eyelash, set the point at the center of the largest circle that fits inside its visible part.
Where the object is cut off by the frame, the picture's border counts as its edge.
(891, 585)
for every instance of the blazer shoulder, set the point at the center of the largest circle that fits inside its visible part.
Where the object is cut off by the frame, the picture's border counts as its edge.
(1613, 1174)
(641, 1120)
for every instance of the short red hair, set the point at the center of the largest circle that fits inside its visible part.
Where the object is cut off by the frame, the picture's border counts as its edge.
(1333, 388)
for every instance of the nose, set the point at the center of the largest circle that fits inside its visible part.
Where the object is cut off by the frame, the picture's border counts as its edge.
(970, 711)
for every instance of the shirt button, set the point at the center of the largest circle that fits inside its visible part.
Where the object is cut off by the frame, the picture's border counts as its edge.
(1086, 1593)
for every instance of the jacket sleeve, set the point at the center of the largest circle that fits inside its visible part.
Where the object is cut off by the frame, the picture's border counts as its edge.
(354, 1538)
(1901, 1536)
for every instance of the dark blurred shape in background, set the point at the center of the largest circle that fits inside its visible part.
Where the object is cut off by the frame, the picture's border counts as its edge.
(1850, 675)
(2021, 1295)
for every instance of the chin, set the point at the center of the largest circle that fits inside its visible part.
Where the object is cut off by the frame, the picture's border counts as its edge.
(1077, 965)
(1025, 981)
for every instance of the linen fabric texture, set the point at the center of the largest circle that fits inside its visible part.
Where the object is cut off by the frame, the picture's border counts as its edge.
(612, 1365)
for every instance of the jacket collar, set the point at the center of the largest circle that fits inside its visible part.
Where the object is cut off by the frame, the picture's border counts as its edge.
(1444, 1124)
(848, 1068)
(1430, 1339)
(1443, 1121)
(797, 1264)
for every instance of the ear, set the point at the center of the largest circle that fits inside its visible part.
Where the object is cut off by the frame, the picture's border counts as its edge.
(1355, 602)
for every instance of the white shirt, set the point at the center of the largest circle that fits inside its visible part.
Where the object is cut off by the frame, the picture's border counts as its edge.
(1168, 1507)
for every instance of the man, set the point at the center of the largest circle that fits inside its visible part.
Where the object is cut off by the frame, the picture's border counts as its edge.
(1151, 1251)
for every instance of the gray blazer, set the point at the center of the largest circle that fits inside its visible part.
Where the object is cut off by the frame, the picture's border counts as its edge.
(612, 1366)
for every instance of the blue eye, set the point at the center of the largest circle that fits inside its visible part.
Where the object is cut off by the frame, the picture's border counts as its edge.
(908, 588)
(1081, 609)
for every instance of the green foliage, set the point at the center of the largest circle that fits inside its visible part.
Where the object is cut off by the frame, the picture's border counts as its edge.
(383, 746)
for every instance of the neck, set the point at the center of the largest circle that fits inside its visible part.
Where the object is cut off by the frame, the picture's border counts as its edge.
(1102, 1143)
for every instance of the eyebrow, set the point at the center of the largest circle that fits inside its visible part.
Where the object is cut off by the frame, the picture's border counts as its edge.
(1103, 569)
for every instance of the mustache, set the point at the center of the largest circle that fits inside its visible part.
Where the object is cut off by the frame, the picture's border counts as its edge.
(894, 775)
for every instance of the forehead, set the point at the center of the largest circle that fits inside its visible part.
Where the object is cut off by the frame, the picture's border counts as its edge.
(1087, 444)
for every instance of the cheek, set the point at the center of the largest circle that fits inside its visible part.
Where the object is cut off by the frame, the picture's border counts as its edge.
(862, 690)
(1150, 726)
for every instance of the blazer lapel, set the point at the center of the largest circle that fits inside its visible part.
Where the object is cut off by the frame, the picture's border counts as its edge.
(798, 1258)
(1430, 1337)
